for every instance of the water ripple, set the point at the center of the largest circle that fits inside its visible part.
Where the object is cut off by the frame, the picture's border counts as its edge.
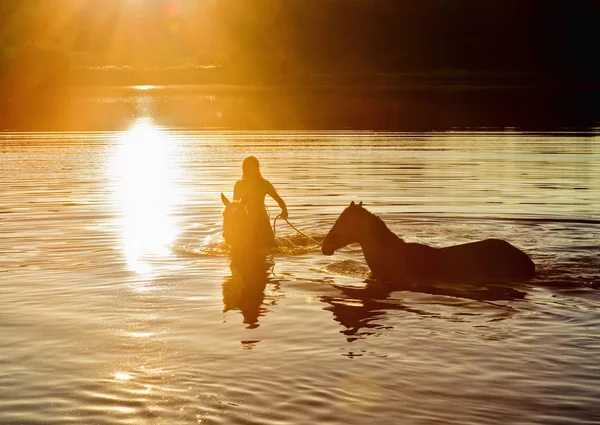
(121, 304)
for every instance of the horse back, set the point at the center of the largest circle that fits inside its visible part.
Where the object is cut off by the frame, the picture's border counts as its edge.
(492, 258)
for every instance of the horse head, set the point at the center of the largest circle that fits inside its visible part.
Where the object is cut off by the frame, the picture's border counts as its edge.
(235, 222)
(345, 230)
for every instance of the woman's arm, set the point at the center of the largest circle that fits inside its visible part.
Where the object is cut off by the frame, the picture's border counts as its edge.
(273, 194)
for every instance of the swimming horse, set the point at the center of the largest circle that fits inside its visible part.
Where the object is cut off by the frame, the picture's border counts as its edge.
(239, 230)
(392, 259)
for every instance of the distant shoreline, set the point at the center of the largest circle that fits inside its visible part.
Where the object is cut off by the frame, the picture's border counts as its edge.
(433, 86)
(427, 80)
(29, 86)
(46, 93)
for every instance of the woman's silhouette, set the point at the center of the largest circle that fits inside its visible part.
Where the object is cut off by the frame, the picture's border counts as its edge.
(252, 189)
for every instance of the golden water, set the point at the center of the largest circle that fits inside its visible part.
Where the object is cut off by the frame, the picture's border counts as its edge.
(119, 305)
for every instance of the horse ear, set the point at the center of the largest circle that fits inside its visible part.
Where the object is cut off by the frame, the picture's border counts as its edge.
(352, 204)
(360, 204)
(225, 200)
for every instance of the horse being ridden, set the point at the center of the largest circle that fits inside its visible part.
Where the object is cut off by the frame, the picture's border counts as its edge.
(240, 231)
(392, 259)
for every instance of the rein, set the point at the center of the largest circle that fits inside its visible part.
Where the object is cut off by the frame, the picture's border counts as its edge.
(294, 227)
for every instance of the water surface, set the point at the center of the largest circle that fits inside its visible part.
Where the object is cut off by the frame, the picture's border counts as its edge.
(120, 306)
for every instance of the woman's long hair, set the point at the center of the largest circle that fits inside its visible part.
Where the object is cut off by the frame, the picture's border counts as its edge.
(251, 169)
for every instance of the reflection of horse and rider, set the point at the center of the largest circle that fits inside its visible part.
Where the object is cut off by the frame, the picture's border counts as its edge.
(249, 193)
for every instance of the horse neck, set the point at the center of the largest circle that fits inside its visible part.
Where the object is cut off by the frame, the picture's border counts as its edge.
(375, 239)
(371, 229)
(237, 224)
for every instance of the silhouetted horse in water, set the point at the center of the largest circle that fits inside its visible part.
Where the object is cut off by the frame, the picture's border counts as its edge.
(392, 259)
(240, 231)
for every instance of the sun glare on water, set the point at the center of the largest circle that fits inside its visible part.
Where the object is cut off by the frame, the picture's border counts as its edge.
(144, 173)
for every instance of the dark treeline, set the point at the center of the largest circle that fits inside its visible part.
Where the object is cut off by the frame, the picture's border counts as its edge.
(299, 41)
(393, 36)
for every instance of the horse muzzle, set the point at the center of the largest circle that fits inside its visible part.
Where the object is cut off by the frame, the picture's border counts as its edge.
(327, 249)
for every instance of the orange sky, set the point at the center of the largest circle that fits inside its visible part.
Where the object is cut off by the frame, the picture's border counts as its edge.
(150, 32)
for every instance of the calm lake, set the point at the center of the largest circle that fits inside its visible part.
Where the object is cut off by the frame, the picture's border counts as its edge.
(119, 305)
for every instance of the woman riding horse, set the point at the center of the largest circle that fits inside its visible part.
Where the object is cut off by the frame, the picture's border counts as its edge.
(250, 191)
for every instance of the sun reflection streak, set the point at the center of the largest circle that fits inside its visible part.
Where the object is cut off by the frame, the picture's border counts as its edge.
(122, 376)
(145, 191)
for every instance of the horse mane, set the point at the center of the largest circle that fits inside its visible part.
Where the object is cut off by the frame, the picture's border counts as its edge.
(379, 227)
